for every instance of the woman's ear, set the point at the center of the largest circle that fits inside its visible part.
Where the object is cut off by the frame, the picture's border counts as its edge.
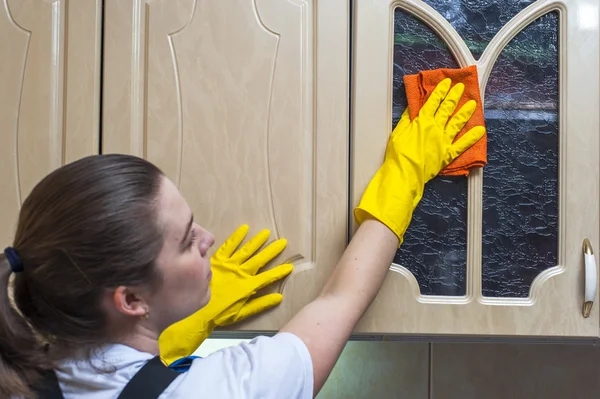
(129, 302)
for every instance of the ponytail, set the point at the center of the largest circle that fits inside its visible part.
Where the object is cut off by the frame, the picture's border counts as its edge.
(21, 355)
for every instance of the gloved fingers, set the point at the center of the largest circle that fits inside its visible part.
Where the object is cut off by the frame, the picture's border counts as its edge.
(449, 105)
(435, 99)
(258, 305)
(246, 251)
(253, 265)
(460, 119)
(234, 240)
(270, 276)
(466, 141)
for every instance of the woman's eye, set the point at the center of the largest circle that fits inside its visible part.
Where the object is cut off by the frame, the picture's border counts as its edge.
(192, 238)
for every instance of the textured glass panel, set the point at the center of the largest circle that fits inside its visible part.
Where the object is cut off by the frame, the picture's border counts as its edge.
(477, 21)
(520, 186)
(434, 248)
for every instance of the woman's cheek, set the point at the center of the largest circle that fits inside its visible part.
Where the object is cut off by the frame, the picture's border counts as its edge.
(198, 267)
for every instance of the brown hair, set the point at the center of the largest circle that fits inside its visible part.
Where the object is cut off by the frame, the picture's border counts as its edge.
(86, 227)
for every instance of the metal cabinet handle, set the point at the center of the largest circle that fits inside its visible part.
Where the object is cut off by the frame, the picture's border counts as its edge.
(591, 278)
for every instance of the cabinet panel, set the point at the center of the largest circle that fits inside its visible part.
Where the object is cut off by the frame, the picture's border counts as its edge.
(516, 371)
(244, 105)
(49, 104)
(499, 252)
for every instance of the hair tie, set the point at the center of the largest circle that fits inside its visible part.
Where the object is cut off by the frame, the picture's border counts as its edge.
(13, 259)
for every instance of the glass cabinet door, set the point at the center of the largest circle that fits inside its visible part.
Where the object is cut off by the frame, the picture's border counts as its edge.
(500, 251)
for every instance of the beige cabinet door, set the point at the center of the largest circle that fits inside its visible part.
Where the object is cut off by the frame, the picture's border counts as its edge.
(244, 105)
(50, 93)
(500, 252)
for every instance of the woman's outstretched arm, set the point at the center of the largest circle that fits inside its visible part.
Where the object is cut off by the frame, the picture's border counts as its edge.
(417, 150)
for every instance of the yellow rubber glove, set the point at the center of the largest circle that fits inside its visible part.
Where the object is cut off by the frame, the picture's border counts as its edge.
(234, 281)
(416, 152)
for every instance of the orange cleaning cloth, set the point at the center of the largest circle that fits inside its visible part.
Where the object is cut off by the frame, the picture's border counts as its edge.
(418, 89)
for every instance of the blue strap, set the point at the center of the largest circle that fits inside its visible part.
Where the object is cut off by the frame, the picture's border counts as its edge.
(182, 365)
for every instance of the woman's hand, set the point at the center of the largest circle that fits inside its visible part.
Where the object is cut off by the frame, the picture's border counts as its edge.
(235, 280)
(416, 152)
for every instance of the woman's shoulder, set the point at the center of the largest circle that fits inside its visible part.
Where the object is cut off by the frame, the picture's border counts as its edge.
(265, 367)
(105, 372)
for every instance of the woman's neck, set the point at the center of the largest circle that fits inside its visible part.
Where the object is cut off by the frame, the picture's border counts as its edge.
(143, 340)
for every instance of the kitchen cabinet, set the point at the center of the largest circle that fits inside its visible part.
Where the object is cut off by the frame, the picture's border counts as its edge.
(500, 252)
(50, 98)
(276, 113)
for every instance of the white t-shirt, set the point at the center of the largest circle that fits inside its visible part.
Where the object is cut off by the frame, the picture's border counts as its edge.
(266, 368)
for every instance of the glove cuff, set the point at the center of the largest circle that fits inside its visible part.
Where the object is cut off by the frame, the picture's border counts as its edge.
(361, 214)
(390, 198)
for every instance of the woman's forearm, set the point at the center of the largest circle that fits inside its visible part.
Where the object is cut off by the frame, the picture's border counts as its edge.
(360, 272)
(326, 323)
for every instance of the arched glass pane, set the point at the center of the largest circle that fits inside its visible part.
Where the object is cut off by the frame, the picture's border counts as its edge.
(520, 186)
(478, 21)
(435, 244)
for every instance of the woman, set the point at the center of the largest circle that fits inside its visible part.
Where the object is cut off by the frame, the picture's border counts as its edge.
(106, 256)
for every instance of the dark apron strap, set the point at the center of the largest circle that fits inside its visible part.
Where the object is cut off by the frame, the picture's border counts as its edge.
(150, 382)
(48, 387)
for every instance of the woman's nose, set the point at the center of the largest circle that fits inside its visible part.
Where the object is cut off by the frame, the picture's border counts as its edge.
(210, 239)
(206, 240)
